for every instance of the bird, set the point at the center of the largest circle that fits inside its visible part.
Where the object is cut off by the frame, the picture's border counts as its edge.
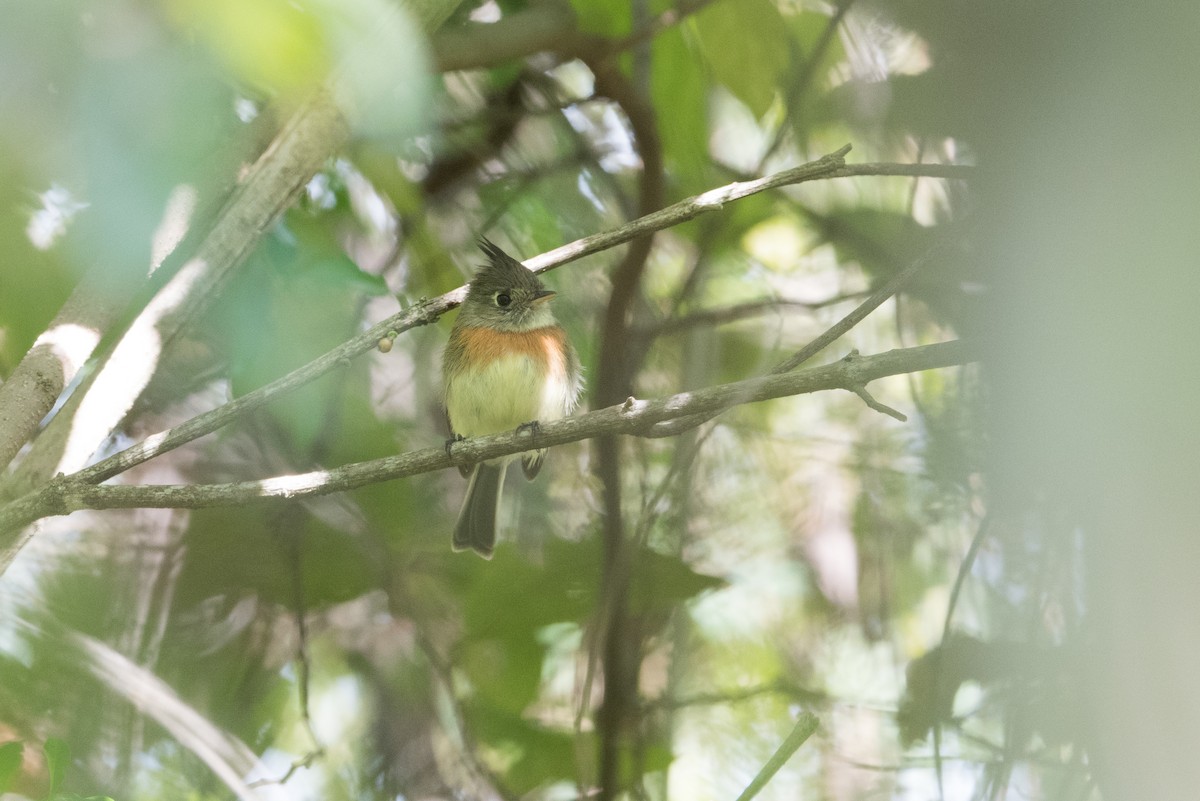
(507, 365)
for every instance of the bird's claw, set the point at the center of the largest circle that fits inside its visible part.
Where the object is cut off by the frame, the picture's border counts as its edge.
(450, 443)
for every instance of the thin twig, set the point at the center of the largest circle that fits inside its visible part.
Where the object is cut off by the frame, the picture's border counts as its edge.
(835, 332)
(882, 408)
(964, 569)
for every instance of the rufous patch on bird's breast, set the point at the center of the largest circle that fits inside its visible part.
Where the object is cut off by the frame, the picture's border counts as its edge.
(541, 345)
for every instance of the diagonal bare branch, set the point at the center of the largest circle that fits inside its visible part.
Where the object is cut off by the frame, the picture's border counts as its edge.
(634, 417)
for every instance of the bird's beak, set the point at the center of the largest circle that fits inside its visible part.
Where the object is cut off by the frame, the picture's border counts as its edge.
(543, 295)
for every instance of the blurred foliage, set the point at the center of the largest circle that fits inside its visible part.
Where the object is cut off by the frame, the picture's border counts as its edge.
(788, 557)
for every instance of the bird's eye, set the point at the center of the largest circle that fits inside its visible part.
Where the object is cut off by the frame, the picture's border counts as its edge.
(502, 299)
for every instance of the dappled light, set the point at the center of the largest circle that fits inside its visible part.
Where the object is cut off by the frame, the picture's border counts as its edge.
(880, 481)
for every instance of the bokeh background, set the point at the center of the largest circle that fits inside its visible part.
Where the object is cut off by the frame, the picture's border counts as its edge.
(993, 600)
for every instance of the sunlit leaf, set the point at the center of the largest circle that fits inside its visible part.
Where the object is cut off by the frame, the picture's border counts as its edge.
(745, 41)
(271, 45)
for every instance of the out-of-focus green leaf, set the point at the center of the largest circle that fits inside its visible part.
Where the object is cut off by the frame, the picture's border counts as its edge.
(500, 652)
(58, 760)
(884, 242)
(33, 283)
(232, 552)
(739, 354)
(383, 82)
(531, 755)
(498, 592)
(604, 17)
(804, 728)
(274, 47)
(661, 582)
(10, 762)
(371, 51)
(809, 29)
(306, 247)
(680, 94)
(505, 669)
(812, 111)
(745, 41)
(538, 221)
(294, 301)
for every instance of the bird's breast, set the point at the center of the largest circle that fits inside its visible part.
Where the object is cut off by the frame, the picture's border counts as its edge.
(497, 380)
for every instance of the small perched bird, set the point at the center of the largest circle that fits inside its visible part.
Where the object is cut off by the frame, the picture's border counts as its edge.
(508, 365)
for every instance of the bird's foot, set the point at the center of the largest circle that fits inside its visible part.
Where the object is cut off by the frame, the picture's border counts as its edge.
(450, 443)
(533, 427)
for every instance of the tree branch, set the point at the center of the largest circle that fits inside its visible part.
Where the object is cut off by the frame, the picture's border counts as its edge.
(52, 363)
(713, 200)
(541, 27)
(954, 171)
(616, 365)
(297, 152)
(427, 311)
(64, 495)
(308, 138)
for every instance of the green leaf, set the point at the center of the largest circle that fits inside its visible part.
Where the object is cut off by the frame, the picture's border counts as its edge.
(307, 245)
(276, 47)
(808, 29)
(507, 603)
(234, 550)
(813, 110)
(746, 43)
(534, 755)
(680, 96)
(604, 17)
(536, 218)
(661, 582)
(10, 763)
(383, 84)
(58, 759)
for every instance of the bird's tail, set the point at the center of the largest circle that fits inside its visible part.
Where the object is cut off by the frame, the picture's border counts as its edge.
(476, 527)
